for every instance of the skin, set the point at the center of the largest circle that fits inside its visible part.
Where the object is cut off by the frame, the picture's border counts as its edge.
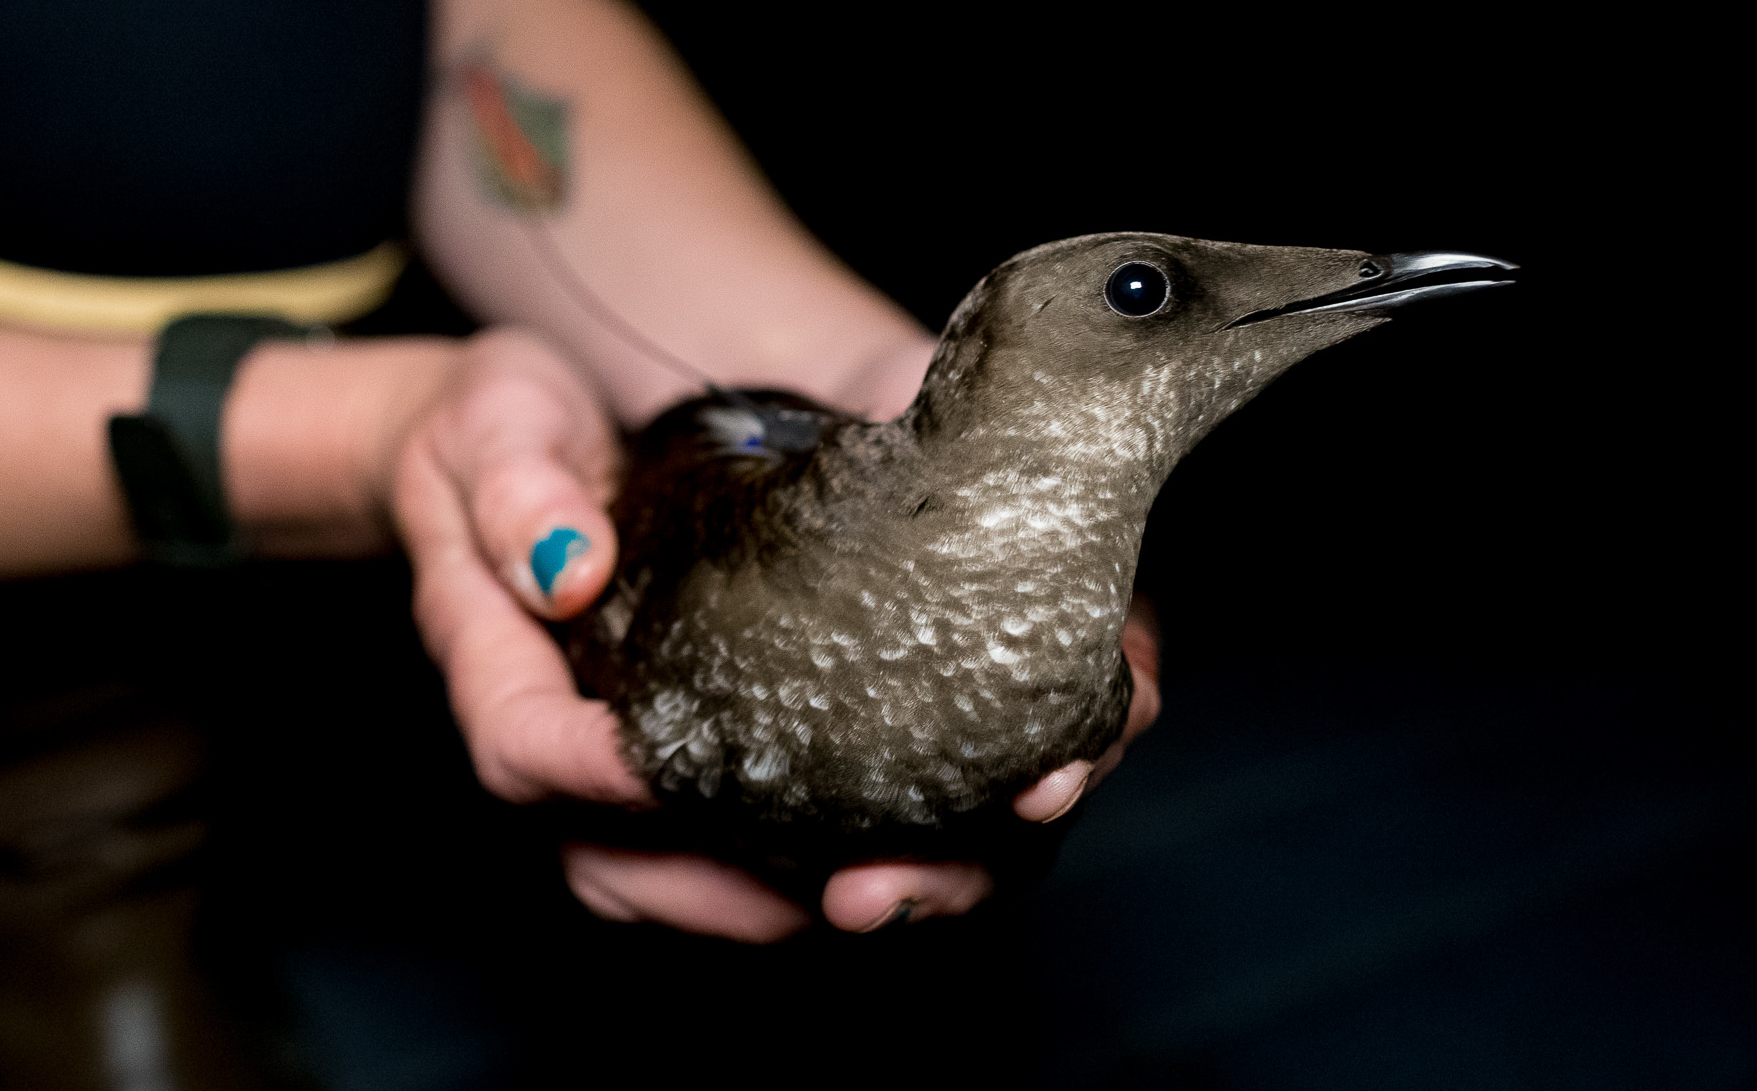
(466, 453)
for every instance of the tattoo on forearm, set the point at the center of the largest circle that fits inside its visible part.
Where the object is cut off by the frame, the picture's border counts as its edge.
(521, 139)
(521, 159)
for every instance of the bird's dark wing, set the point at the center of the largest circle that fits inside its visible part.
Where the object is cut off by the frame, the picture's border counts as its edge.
(698, 487)
(700, 474)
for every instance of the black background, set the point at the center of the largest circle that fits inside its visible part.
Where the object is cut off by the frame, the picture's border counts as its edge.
(1533, 476)
(1452, 787)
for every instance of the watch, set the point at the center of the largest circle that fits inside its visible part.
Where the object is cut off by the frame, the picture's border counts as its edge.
(168, 457)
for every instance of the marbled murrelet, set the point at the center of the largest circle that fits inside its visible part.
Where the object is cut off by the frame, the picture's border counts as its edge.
(910, 620)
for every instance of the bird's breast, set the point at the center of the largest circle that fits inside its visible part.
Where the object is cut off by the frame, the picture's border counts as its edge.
(874, 686)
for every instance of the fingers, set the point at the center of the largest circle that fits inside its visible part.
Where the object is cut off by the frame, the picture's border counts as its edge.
(509, 477)
(868, 897)
(501, 496)
(1056, 794)
(683, 891)
(1144, 708)
(1141, 648)
(530, 734)
(703, 895)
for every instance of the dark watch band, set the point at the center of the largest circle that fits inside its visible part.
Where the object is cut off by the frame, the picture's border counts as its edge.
(169, 456)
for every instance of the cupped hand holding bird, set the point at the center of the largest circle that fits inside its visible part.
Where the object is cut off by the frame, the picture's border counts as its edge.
(500, 493)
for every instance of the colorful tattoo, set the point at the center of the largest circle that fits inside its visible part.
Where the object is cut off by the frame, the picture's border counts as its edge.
(521, 140)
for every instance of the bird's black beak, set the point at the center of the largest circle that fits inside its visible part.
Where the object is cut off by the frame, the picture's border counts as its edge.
(1391, 280)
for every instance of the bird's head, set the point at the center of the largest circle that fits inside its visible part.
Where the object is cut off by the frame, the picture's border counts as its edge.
(1133, 345)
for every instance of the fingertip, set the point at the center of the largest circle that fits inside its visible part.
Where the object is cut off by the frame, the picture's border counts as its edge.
(1145, 706)
(1140, 645)
(1054, 795)
(684, 891)
(569, 561)
(871, 897)
(601, 900)
(550, 543)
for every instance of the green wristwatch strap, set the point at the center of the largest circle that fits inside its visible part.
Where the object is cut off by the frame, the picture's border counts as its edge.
(169, 456)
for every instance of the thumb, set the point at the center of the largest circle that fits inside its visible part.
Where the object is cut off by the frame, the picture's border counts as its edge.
(534, 458)
(548, 541)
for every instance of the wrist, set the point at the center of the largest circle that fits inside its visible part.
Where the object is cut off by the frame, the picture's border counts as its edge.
(312, 433)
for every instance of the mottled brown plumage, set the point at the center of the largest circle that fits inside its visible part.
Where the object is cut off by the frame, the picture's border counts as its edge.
(898, 628)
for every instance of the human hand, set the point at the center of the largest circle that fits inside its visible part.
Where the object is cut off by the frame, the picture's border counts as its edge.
(500, 494)
(700, 894)
(515, 449)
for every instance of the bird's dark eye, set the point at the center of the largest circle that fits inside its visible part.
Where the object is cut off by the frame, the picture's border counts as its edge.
(1137, 289)
(1370, 269)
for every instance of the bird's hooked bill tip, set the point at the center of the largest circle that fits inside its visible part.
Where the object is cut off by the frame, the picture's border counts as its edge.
(1392, 280)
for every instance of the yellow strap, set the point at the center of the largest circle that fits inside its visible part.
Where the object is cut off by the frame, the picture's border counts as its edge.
(334, 292)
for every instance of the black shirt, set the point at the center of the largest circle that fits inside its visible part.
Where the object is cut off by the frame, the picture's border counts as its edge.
(205, 136)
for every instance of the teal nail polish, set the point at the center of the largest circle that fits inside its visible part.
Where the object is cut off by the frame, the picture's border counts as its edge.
(550, 555)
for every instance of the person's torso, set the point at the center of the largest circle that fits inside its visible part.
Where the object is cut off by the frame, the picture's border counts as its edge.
(205, 136)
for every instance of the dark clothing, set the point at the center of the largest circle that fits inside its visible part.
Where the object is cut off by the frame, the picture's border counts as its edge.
(205, 136)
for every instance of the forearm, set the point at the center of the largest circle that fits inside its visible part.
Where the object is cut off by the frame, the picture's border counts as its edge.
(660, 213)
(60, 507)
(307, 442)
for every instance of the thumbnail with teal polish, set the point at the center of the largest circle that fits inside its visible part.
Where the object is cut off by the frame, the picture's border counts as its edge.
(550, 556)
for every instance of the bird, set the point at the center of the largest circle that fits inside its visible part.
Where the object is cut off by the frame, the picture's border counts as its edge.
(843, 636)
